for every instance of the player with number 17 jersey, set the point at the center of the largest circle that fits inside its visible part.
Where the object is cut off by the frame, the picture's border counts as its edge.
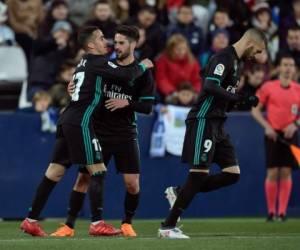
(76, 142)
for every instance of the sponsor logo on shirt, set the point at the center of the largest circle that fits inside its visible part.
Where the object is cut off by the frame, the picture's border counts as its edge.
(219, 69)
(115, 92)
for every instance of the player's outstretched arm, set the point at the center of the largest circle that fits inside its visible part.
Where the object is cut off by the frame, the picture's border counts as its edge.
(111, 70)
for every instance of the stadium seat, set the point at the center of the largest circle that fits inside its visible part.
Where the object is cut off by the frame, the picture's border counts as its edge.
(13, 75)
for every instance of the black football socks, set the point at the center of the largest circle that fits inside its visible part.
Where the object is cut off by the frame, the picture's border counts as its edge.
(42, 194)
(130, 205)
(96, 191)
(75, 205)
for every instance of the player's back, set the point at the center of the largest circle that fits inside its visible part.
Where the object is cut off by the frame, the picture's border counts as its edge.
(87, 94)
(222, 69)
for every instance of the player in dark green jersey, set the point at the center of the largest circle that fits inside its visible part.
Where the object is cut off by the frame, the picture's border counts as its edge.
(205, 140)
(76, 142)
(115, 126)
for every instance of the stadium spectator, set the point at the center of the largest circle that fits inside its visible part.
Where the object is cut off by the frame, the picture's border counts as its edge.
(143, 50)
(254, 77)
(48, 56)
(292, 20)
(24, 16)
(281, 98)
(262, 20)
(239, 13)
(7, 35)
(176, 65)
(185, 25)
(293, 44)
(80, 10)
(121, 10)
(221, 20)
(58, 11)
(184, 96)
(147, 19)
(101, 17)
(220, 40)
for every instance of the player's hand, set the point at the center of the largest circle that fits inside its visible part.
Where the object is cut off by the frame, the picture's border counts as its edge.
(148, 63)
(71, 88)
(289, 131)
(114, 104)
(271, 133)
(250, 100)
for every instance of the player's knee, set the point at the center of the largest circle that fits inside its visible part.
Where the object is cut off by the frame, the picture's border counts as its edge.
(55, 172)
(232, 170)
(132, 187)
(82, 183)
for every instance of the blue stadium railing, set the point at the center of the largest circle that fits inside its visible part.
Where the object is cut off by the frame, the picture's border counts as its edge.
(25, 151)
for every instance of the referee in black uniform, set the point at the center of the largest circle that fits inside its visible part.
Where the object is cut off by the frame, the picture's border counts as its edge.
(205, 140)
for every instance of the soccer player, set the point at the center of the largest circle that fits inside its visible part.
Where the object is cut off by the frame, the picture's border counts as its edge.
(115, 126)
(76, 142)
(205, 140)
(281, 98)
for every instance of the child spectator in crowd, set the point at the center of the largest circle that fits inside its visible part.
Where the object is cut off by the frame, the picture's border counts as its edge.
(58, 92)
(7, 35)
(185, 25)
(176, 65)
(41, 102)
(262, 20)
(220, 40)
(221, 20)
(184, 96)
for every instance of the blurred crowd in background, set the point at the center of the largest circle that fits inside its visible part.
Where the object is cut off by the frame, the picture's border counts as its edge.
(178, 35)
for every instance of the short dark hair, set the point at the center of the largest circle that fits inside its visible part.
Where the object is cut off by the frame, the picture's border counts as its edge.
(147, 8)
(131, 32)
(294, 28)
(101, 2)
(85, 34)
(284, 55)
(258, 35)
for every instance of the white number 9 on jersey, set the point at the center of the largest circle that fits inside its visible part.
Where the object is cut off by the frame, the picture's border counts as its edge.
(207, 145)
(78, 79)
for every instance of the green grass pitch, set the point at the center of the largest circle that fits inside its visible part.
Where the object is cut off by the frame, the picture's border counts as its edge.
(206, 234)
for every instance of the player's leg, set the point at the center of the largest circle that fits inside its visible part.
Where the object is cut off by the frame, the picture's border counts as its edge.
(224, 156)
(131, 202)
(53, 174)
(285, 187)
(98, 227)
(127, 159)
(196, 137)
(75, 204)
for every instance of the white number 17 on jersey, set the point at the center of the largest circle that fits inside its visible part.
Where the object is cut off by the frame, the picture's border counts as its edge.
(78, 79)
